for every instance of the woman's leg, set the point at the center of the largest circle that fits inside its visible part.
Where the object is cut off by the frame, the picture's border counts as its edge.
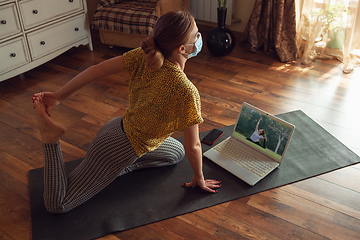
(249, 139)
(51, 132)
(109, 154)
(169, 153)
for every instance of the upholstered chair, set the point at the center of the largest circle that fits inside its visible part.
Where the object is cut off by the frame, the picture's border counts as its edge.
(127, 23)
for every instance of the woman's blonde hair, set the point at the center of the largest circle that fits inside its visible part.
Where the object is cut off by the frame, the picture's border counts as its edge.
(172, 30)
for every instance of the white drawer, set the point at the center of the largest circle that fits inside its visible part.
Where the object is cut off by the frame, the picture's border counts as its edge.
(54, 37)
(13, 54)
(39, 11)
(9, 21)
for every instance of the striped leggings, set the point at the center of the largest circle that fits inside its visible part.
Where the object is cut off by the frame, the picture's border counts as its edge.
(109, 156)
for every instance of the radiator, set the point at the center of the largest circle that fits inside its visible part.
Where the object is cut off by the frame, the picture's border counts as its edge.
(206, 10)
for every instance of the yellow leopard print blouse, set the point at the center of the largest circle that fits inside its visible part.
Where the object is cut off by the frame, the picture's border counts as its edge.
(161, 102)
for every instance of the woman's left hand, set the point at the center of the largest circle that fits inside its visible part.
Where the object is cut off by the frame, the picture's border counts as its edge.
(206, 185)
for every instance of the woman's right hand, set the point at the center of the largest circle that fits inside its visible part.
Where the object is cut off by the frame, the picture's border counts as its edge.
(49, 99)
(206, 185)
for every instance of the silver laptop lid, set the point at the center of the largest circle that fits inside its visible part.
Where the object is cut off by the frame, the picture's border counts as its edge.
(249, 130)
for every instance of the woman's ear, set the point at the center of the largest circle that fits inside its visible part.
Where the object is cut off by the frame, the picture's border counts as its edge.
(182, 49)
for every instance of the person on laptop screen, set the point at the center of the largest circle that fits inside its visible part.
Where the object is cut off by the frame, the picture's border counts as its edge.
(258, 135)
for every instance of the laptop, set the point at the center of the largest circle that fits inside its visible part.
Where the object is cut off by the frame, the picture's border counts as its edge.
(256, 146)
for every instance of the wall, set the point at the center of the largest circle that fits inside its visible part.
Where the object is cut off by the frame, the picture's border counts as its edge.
(206, 10)
(241, 11)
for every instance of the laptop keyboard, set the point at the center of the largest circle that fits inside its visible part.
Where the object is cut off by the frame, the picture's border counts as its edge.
(244, 159)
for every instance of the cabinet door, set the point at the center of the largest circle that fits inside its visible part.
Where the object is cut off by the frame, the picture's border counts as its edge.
(57, 36)
(35, 12)
(9, 20)
(13, 54)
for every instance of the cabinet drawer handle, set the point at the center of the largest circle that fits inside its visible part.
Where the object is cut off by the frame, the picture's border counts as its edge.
(35, 11)
(77, 29)
(71, 0)
(42, 42)
(3, 22)
(13, 55)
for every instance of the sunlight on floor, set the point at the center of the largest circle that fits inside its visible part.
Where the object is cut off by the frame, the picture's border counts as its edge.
(330, 74)
(290, 67)
(286, 67)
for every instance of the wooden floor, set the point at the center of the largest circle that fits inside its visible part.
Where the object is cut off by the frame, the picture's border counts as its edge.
(323, 207)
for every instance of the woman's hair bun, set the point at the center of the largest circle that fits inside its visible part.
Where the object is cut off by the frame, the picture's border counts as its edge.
(148, 44)
(153, 57)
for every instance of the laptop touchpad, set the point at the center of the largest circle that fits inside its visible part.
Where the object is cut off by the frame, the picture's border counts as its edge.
(218, 158)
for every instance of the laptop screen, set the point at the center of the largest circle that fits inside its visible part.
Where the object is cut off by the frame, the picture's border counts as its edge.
(263, 131)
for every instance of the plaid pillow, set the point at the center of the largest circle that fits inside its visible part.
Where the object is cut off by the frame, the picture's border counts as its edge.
(128, 17)
(105, 3)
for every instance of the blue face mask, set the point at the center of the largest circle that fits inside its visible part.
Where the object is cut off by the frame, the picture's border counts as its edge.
(198, 45)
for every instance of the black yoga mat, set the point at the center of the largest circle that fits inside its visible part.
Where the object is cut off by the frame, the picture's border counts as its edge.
(151, 195)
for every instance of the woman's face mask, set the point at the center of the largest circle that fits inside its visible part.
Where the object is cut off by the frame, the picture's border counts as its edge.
(198, 46)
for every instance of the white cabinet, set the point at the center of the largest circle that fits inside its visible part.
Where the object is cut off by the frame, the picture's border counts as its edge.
(33, 32)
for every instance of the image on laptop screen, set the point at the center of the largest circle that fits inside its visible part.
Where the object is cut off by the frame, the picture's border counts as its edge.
(253, 128)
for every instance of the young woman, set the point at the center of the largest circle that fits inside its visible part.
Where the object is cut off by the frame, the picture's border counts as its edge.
(162, 100)
(257, 135)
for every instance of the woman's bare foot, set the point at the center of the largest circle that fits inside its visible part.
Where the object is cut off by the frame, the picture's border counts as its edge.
(50, 131)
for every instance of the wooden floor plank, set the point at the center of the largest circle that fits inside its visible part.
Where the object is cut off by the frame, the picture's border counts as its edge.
(266, 224)
(326, 194)
(174, 229)
(348, 178)
(109, 237)
(140, 233)
(14, 167)
(199, 222)
(4, 236)
(20, 145)
(306, 213)
(248, 231)
(15, 218)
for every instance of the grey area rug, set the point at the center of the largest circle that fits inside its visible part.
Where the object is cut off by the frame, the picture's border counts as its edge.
(151, 195)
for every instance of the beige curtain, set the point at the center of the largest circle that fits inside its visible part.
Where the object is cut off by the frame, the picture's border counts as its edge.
(272, 26)
(328, 29)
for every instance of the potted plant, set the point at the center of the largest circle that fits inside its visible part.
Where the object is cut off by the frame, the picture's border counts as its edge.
(328, 23)
(336, 17)
(222, 4)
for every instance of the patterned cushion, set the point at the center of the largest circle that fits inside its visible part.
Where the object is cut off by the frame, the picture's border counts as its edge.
(129, 16)
(153, 1)
(105, 3)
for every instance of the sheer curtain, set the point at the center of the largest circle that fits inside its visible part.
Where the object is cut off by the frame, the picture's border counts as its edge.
(328, 29)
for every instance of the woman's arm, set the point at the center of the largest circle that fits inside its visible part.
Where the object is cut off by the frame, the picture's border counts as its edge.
(91, 74)
(257, 125)
(193, 151)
